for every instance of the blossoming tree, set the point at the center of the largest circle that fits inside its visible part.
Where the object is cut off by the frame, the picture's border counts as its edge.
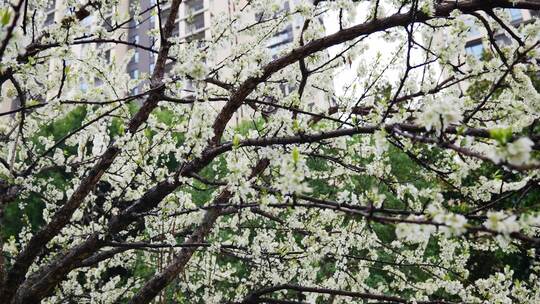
(415, 181)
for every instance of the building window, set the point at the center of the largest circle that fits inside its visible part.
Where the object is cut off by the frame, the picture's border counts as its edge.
(260, 16)
(176, 30)
(135, 57)
(189, 86)
(108, 56)
(281, 38)
(475, 49)
(286, 7)
(88, 21)
(108, 23)
(50, 18)
(195, 23)
(503, 39)
(193, 6)
(132, 21)
(515, 14)
(51, 8)
(196, 37)
(98, 82)
(165, 12)
(473, 28)
(134, 74)
(51, 5)
(152, 62)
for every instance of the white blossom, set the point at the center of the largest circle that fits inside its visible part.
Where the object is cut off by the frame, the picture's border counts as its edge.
(441, 113)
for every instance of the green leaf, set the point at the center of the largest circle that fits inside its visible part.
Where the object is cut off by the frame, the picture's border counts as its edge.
(32, 102)
(296, 126)
(295, 155)
(236, 141)
(6, 16)
(461, 130)
(502, 135)
(497, 175)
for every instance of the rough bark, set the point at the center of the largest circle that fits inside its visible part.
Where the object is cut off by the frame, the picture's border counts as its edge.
(43, 281)
(60, 219)
(155, 285)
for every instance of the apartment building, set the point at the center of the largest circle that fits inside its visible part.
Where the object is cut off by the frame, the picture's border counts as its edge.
(517, 17)
(477, 40)
(193, 23)
(54, 12)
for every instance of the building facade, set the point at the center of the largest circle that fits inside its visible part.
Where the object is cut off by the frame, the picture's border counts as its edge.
(475, 46)
(193, 23)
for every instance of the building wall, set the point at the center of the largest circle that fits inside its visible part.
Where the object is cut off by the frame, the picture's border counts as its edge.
(474, 44)
(193, 23)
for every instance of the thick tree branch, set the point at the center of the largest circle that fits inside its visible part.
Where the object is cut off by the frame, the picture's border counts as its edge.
(63, 216)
